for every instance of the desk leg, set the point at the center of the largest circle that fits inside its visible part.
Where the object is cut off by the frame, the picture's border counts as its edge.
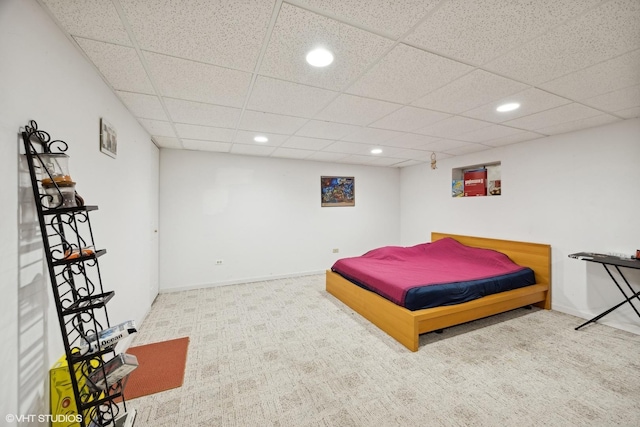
(627, 298)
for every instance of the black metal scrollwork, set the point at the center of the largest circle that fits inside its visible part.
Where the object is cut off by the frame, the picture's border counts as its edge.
(75, 275)
(44, 139)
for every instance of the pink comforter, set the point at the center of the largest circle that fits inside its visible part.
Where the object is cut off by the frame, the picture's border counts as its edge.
(393, 270)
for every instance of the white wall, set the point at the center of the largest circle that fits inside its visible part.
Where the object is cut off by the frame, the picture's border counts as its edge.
(43, 77)
(262, 217)
(576, 192)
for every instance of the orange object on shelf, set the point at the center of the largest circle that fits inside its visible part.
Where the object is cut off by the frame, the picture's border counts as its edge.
(57, 179)
(77, 253)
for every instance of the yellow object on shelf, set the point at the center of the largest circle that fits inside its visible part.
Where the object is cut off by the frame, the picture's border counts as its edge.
(63, 403)
(64, 411)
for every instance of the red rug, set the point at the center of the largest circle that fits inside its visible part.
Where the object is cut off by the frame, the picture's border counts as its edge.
(160, 367)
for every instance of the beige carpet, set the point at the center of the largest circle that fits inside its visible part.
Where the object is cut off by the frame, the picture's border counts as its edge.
(285, 353)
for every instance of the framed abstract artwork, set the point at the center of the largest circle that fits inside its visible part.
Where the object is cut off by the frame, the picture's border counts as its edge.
(337, 191)
(108, 139)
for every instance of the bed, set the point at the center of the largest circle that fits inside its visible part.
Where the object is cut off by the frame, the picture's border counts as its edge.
(406, 325)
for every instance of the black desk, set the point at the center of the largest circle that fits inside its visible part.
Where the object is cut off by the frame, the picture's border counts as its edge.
(615, 262)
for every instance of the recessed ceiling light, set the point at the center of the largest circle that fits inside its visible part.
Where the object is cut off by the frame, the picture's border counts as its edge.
(261, 138)
(376, 151)
(508, 107)
(319, 57)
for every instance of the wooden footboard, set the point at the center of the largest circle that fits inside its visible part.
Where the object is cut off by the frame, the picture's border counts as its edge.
(406, 325)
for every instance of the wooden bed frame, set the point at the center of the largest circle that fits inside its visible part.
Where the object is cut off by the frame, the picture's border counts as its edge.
(405, 325)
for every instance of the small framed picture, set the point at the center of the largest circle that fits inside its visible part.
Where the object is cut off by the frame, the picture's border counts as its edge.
(337, 191)
(108, 139)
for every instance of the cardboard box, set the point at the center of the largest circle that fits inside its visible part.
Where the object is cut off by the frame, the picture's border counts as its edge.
(475, 183)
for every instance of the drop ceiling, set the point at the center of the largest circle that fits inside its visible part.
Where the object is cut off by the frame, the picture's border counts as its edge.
(412, 77)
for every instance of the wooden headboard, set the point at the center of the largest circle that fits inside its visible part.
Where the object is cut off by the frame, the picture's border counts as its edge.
(536, 256)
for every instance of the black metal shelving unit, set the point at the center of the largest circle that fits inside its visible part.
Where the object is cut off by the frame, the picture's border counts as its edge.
(76, 282)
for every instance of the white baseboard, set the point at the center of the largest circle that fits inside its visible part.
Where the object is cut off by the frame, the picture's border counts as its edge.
(612, 322)
(238, 281)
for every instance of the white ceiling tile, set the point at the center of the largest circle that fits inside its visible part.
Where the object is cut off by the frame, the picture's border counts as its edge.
(157, 127)
(228, 33)
(556, 116)
(470, 91)
(410, 140)
(512, 139)
(605, 77)
(323, 156)
(119, 65)
(291, 153)
(204, 133)
(356, 110)
(282, 97)
(406, 74)
(348, 148)
(203, 58)
(621, 99)
(387, 151)
(326, 130)
(629, 113)
(424, 156)
(443, 145)
(297, 31)
(91, 19)
(488, 133)
(306, 143)
(602, 33)
(467, 149)
(252, 150)
(384, 161)
(391, 17)
(408, 119)
(583, 123)
(355, 159)
(197, 113)
(246, 137)
(477, 31)
(143, 106)
(167, 142)
(196, 81)
(371, 135)
(452, 126)
(200, 145)
(531, 101)
(406, 163)
(266, 122)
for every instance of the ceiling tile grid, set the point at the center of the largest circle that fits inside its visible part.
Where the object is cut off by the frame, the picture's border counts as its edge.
(297, 31)
(406, 73)
(227, 33)
(478, 31)
(143, 106)
(388, 16)
(197, 81)
(121, 66)
(356, 110)
(413, 77)
(288, 98)
(91, 19)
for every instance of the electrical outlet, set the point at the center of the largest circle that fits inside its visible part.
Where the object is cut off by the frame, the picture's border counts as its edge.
(218, 262)
(336, 250)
